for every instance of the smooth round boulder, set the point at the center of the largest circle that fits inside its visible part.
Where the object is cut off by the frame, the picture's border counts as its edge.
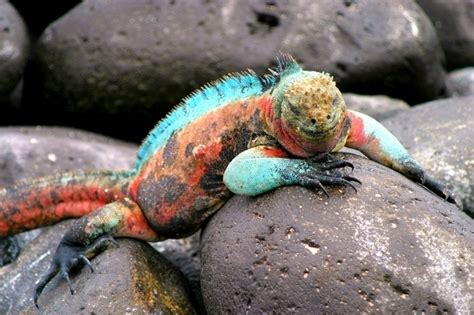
(439, 134)
(460, 82)
(13, 49)
(392, 247)
(454, 23)
(128, 62)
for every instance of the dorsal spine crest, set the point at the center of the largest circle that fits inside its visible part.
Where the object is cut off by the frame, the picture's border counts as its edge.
(230, 88)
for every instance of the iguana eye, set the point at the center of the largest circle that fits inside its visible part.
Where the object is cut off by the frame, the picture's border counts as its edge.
(295, 109)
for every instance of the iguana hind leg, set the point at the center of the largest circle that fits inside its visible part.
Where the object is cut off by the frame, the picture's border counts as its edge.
(88, 235)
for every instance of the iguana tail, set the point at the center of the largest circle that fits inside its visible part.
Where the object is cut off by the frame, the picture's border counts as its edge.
(43, 201)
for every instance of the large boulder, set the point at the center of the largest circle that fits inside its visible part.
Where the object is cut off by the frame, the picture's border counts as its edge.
(454, 22)
(392, 247)
(132, 279)
(130, 61)
(13, 50)
(439, 135)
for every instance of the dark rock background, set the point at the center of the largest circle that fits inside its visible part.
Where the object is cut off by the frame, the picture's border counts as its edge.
(129, 62)
(117, 67)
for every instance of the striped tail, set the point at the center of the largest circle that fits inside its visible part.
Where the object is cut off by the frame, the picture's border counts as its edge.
(43, 201)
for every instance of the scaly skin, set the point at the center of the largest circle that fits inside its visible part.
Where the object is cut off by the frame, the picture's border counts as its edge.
(243, 134)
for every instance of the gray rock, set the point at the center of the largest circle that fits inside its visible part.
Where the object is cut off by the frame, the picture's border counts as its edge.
(132, 279)
(460, 82)
(130, 61)
(376, 106)
(392, 247)
(13, 49)
(439, 135)
(27, 152)
(454, 22)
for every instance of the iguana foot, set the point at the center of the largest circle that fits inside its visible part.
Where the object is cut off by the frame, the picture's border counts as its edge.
(324, 170)
(317, 179)
(439, 189)
(69, 256)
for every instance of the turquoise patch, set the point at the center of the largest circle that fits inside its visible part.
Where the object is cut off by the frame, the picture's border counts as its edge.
(231, 88)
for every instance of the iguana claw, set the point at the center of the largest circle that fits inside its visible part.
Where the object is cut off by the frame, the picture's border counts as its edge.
(439, 189)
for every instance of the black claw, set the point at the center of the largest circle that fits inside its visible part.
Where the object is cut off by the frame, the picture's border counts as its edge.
(353, 179)
(348, 183)
(52, 271)
(65, 275)
(336, 165)
(323, 189)
(439, 189)
(87, 262)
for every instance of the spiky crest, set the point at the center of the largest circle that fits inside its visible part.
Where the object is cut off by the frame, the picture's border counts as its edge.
(286, 65)
(230, 88)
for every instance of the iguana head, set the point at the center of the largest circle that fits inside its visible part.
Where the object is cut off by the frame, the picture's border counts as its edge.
(309, 111)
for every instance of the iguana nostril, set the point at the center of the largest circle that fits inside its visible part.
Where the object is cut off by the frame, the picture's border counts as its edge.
(328, 117)
(313, 121)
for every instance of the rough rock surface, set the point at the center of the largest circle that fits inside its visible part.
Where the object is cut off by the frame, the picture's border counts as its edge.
(454, 22)
(439, 135)
(129, 61)
(132, 279)
(376, 106)
(13, 49)
(460, 82)
(392, 247)
(27, 152)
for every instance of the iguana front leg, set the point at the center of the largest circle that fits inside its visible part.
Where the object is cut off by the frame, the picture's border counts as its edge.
(263, 168)
(371, 138)
(86, 238)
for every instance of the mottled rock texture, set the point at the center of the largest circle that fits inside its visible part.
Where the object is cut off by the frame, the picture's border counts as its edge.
(439, 135)
(392, 247)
